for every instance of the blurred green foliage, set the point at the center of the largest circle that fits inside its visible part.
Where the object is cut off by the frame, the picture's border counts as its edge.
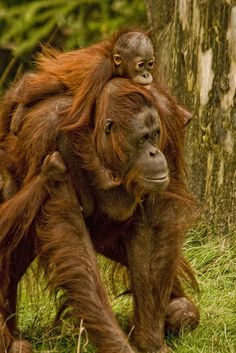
(67, 24)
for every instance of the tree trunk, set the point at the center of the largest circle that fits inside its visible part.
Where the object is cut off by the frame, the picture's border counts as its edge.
(195, 40)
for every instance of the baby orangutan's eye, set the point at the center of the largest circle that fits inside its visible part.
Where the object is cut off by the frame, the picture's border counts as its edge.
(151, 64)
(139, 66)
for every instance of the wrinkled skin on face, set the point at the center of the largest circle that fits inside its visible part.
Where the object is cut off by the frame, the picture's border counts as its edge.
(149, 162)
(139, 158)
(134, 57)
(127, 138)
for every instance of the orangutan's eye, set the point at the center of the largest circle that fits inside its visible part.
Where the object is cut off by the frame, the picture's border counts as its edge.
(108, 126)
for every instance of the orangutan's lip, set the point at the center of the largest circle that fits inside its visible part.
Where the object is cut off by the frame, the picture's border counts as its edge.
(162, 179)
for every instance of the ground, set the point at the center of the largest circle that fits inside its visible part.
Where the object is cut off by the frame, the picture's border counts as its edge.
(214, 259)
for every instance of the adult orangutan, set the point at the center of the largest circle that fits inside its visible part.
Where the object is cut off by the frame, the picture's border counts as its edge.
(60, 214)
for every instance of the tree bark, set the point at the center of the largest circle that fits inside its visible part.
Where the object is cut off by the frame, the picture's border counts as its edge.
(195, 40)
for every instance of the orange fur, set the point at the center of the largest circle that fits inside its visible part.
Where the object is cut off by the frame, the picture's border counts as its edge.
(63, 220)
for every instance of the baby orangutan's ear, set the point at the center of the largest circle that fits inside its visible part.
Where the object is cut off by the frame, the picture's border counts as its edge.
(117, 59)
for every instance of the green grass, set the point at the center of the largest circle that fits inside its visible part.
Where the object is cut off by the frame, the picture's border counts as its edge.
(214, 260)
(215, 263)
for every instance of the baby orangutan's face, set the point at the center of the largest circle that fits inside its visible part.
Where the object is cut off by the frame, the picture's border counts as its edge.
(134, 57)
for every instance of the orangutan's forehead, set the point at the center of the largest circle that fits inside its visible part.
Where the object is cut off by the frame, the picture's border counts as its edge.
(134, 43)
(147, 117)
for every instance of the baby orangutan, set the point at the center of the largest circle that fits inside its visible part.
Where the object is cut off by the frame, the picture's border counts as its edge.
(134, 57)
